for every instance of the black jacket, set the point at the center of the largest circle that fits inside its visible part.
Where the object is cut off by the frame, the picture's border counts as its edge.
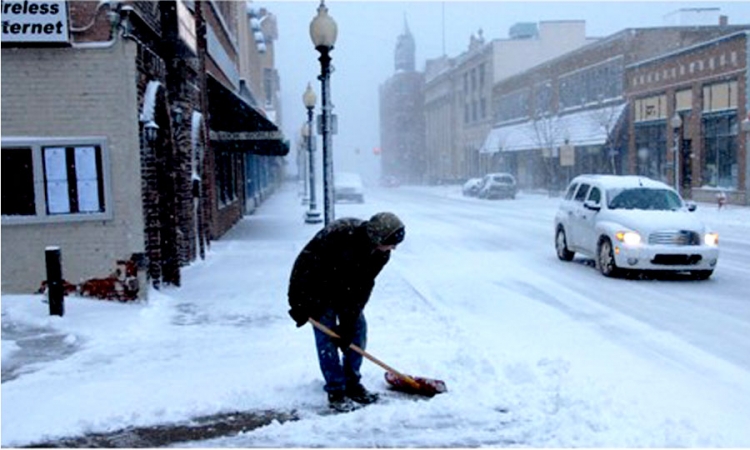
(336, 270)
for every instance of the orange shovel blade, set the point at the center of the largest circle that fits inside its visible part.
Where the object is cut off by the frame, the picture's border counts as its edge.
(424, 386)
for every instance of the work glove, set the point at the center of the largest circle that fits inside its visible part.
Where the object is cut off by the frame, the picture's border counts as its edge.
(299, 315)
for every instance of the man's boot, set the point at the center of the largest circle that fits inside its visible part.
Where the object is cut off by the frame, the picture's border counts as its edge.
(339, 402)
(359, 394)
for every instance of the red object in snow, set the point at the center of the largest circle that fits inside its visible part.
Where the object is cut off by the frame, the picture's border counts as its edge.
(426, 386)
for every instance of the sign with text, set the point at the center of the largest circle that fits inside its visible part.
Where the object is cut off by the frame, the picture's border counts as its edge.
(35, 21)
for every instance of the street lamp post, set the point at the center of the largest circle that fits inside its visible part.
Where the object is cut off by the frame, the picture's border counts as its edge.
(312, 216)
(676, 123)
(323, 31)
(304, 165)
(746, 129)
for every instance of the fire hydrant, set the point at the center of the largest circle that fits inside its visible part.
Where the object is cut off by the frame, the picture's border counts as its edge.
(721, 199)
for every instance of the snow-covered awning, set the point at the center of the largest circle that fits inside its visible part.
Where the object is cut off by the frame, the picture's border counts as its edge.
(234, 124)
(590, 127)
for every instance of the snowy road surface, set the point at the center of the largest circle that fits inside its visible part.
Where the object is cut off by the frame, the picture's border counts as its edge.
(535, 351)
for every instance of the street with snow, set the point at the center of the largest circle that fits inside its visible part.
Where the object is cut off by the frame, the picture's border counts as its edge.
(535, 352)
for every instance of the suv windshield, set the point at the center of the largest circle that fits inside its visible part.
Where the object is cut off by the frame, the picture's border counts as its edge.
(644, 198)
(502, 179)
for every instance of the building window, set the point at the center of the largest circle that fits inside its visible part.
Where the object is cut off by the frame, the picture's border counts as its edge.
(18, 183)
(514, 105)
(650, 142)
(225, 177)
(720, 96)
(720, 168)
(684, 100)
(651, 108)
(543, 94)
(54, 181)
(590, 84)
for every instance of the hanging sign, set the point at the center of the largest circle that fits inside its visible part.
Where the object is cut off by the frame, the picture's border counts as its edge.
(35, 21)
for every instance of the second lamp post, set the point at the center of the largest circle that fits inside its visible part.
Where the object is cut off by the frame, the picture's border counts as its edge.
(323, 31)
(676, 123)
(312, 216)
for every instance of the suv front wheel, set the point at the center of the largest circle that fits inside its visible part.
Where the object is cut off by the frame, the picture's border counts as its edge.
(606, 259)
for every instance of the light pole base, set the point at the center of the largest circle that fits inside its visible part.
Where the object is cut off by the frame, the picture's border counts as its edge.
(313, 217)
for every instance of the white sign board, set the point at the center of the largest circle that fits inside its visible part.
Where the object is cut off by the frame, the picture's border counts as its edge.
(567, 155)
(35, 21)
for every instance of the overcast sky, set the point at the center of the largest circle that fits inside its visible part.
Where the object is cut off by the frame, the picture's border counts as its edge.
(367, 31)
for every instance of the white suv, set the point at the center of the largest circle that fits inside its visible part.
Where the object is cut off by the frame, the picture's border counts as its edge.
(632, 222)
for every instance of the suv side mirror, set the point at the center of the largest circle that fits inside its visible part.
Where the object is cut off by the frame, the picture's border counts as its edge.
(691, 205)
(592, 205)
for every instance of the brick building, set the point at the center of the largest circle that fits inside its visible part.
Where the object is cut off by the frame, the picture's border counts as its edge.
(571, 114)
(117, 144)
(685, 124)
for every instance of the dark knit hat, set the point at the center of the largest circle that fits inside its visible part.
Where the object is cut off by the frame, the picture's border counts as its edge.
(385, 228)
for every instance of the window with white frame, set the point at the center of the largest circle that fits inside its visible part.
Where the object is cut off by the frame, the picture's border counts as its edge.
(54, 180)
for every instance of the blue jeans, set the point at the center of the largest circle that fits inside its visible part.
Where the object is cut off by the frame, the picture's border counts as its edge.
(337, 375)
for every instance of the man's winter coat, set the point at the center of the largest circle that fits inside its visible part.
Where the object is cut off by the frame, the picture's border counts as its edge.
(337, 269)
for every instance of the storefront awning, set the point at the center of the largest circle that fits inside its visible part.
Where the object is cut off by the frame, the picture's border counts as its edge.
(236, 125)
(590, 127)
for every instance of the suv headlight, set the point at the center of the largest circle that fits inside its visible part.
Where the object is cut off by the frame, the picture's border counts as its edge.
(711, 239)
(628, 237)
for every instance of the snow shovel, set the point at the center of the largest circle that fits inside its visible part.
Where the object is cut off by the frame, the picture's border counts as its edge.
(398, 381)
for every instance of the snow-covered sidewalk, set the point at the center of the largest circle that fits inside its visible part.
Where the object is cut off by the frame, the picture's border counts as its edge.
(223, 342)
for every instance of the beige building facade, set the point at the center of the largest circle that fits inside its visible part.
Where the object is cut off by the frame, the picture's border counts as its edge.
(459, 92)
(53, 106)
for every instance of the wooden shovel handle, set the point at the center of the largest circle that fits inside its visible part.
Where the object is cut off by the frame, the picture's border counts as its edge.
(412, 382)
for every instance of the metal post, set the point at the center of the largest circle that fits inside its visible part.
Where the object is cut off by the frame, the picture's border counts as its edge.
(54, 281)
(304, 174)
(677, 160)
(313, 216)
(676, 123)
(325, 74)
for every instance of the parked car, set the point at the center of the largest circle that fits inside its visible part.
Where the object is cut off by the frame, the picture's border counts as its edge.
(347, 186)
(632, 222)
(471, 187)
(390, 181)
(498, 185)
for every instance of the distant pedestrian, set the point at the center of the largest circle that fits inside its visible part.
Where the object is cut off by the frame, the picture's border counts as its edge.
(721, 199)
(331, 282)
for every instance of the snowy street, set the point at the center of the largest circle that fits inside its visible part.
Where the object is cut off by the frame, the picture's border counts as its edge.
(535, 352)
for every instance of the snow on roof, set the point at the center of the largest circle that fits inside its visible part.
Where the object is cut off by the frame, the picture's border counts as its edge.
(581, 128)
(622, 181)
